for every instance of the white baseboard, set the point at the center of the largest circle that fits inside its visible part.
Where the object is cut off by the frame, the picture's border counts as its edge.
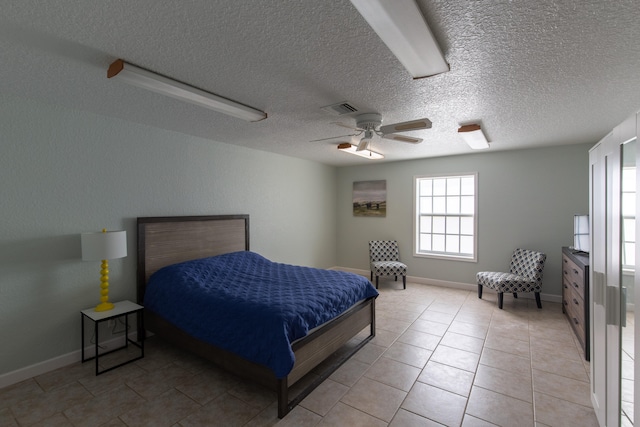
(452, 285)
(40, 368)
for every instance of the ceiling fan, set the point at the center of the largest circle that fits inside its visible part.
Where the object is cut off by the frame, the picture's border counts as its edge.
(370, 124)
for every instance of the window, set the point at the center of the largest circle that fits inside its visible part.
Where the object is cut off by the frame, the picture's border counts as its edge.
(628, 218)
(445, 223)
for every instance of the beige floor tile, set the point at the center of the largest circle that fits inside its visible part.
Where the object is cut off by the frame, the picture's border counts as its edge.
(45, 405)
(409, 354)
(507, 361)
(324, 397)
(512, 384)
(562, 387)
(393, 373)
(343, 415)
(384, 338)
(205, 386)
(226, 410)
(436, 316)
(369, 353)
(429, 327)
(420, 339)
(158, 382)
(551, 347)
(470, 329)
(435, 404)
(57, 420)
(463, 342)
(406, 316)
(103, 407)
(447, 378)
(499, 409)
(508, 345)
(470, 421)
(555, 412)
(65, 375)
(299, 417)
(15, 393)
(390, 324)
(457, 358)
(445, 307)
(350, 372)
(409, 419)
(558, 365)
(474, 317)
(164, 410)
(374, 398)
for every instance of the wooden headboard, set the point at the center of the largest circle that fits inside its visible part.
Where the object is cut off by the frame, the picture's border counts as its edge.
(166, 240)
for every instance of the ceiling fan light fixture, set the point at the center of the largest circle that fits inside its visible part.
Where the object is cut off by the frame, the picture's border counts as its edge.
(402, 27)
(146, 79)
(473, 136)
(352, 149)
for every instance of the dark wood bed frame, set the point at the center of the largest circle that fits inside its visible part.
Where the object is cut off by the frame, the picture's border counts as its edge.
(167, 240)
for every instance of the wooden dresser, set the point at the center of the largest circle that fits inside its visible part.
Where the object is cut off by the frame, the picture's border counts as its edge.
(575, 294)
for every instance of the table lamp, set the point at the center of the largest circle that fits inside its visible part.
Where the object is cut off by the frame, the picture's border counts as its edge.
(103, 247)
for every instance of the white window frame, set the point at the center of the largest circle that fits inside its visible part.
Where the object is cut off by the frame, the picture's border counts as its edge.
(417, 215)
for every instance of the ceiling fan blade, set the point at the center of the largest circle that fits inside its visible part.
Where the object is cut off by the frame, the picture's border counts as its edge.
(333, 137)
(402, 138)
(406, 126)
(345, 126)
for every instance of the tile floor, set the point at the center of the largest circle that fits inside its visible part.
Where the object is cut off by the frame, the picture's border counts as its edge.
(440, 357)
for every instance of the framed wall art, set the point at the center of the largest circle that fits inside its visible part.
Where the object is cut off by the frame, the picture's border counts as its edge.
(370, 198)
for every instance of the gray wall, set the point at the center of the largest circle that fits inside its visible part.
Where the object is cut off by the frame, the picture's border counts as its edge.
(64, 172)
(527, 198)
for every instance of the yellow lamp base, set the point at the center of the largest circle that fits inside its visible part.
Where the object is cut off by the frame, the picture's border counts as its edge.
(104, 306)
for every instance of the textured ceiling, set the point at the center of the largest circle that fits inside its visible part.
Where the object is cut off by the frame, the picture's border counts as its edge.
(533, 73)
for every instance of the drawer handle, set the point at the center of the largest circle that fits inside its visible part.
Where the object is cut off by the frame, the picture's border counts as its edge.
(565, 302)
(575, 285)
(575, 301)
(575, 271)
(565, 286)
(575, 321)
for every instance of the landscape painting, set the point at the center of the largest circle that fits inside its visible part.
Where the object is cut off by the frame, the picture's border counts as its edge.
(370, 198)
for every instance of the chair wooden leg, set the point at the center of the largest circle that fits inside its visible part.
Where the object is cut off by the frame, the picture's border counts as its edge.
(396, 278)
(479, 291)
(404, 282)
(515, 295)
(538, 302)
(371, 276)
(377, 281)
(500, 298)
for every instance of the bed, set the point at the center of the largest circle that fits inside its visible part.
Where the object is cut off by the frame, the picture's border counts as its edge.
(166, 241)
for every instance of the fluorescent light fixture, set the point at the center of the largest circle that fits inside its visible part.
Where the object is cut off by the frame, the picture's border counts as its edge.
(368, 154)
(154, 82)
(473, 136)
(402, 27)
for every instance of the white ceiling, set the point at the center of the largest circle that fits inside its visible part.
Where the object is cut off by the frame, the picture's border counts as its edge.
(533, 73)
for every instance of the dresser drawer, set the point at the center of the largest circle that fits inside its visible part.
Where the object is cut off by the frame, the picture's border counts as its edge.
(573, 275)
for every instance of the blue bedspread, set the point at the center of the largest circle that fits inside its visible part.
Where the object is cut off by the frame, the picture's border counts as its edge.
(246, 304)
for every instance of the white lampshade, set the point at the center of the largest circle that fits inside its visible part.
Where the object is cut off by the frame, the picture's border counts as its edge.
(104, 245)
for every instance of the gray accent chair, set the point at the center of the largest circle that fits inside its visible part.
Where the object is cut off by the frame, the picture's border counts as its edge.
(525, 275)
(384, 258)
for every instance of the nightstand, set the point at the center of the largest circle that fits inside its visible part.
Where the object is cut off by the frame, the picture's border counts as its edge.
(121, 309)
